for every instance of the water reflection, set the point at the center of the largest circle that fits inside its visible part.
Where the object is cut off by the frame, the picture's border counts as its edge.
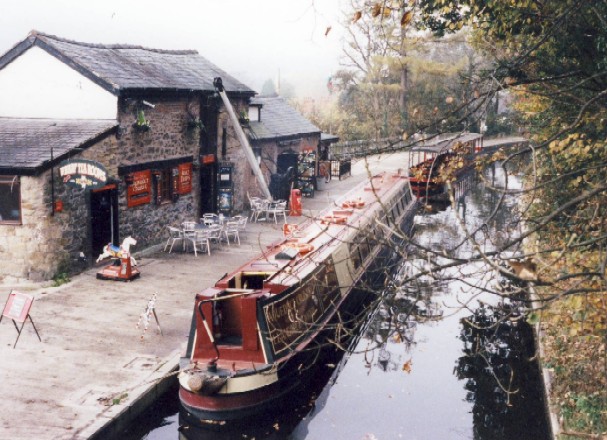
(501, 375)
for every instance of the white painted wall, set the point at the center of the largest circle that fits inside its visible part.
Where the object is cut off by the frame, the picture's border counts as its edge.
(38, 85)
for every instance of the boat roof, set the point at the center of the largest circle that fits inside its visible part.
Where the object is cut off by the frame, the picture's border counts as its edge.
(322, 235)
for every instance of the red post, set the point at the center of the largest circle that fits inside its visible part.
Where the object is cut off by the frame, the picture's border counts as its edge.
(295, 203)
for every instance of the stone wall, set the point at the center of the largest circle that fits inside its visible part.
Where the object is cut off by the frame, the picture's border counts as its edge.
(269, 156)
(168, 137)
(27, 250)
(235, 154)
(45, 244)
(268, 167)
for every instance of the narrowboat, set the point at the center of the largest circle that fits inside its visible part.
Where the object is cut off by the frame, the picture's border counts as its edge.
(441, 160)
(256, 333)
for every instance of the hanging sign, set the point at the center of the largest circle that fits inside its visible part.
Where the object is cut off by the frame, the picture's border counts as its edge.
(206, 159)
(81, 173)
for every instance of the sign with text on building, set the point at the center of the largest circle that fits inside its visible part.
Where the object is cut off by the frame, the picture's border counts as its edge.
(82, 173)
(185, 178)
(139, 191)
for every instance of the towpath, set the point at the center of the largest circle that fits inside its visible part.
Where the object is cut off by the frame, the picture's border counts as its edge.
(93, 366)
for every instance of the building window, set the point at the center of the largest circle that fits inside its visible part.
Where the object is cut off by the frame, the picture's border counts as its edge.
(159, 185)
(164, 185)
(10, 200)
(254, 113)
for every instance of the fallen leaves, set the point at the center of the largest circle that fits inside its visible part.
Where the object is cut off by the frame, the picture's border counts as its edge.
(376, 10)
(406, 18)
(407, 366)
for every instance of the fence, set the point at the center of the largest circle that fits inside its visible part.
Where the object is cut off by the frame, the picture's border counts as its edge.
(354, 149)
(341, 168)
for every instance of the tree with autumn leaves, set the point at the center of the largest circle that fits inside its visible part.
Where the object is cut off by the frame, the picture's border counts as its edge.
(397, 80)
(549, 57)
(552, 57)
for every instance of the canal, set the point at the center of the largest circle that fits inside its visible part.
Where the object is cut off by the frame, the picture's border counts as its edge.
(441, 358)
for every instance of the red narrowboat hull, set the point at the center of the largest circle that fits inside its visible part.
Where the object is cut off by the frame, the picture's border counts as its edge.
(256, 334)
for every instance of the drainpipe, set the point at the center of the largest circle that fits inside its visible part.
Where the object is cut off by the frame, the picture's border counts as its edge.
(242, 137)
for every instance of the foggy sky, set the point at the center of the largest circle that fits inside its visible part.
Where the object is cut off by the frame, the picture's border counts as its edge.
(253, 40)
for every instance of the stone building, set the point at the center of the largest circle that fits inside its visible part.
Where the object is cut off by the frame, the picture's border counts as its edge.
(282, 138)
(150, 119)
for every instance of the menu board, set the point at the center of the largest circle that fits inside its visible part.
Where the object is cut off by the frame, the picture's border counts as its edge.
(185, 178)
(140, 191)
(18, 306)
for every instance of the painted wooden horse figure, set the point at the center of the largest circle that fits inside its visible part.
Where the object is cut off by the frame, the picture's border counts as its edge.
(112, 251)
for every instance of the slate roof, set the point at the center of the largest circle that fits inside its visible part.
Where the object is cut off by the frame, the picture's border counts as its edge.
(279, 121)
(25, 144)
(118, 67)
(328, 138)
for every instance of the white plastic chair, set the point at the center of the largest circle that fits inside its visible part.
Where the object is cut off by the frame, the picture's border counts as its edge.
(252, 202)
(278, 208)
(242, 223)
(209, 219)
(215, 234)
(202, 242)
(259, 208)
(189, 234)
(175, 234)
(230, 229)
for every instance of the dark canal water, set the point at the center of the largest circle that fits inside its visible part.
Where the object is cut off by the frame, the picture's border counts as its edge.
(432, 363)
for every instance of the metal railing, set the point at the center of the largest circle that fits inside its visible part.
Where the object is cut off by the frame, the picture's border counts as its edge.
(341, 168)
(361, 148)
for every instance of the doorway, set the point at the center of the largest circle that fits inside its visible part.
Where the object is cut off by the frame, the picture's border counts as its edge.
(104, 218)
(285, 161)
(208, 188)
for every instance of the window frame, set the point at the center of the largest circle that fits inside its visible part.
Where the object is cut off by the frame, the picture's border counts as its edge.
(165, 184)
(13, 180)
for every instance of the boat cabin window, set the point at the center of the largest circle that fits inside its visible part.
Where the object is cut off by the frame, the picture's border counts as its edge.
(355, 256)
(407, 197)
(364, 248)
(249, 280)
(373, 236)
(396, 210)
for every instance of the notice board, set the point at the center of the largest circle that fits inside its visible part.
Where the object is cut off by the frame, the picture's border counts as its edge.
(18, 306)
